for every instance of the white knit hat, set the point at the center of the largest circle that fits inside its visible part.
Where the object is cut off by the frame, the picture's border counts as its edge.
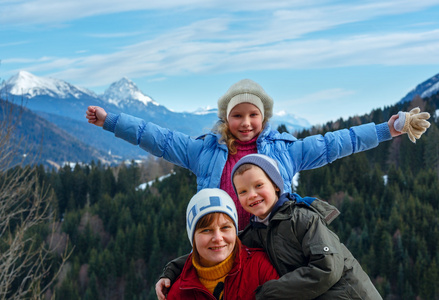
(245, 91)
(205, 202)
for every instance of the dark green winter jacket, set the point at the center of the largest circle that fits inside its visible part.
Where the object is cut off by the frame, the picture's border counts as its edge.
(311, 260)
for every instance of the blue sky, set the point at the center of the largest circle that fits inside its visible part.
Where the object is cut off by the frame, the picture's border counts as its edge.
(318, 59)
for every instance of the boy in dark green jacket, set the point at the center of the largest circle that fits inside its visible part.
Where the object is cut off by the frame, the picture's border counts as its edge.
(310, 258)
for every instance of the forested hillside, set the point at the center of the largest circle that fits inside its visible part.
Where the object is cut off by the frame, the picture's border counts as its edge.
(122, 236)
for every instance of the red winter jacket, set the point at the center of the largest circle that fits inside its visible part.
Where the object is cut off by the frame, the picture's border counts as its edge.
(250, 270)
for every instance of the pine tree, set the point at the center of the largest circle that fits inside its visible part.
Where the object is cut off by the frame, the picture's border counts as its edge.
(429, 287)
(92, 292)
(282, 128)
(95, 184)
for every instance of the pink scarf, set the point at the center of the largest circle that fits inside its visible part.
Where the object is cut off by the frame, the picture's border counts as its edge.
(243, 148)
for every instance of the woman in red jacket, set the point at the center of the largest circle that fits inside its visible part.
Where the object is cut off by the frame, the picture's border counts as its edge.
(219, 267)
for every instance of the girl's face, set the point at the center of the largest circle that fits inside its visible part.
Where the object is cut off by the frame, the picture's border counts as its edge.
(256, 193)
(215, 242)
(245, 121)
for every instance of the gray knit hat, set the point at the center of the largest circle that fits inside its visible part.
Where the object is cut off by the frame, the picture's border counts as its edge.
(245, 91)
(267, 164)
(205, 202)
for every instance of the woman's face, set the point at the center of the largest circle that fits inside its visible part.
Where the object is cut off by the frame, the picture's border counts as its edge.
(245, 121)
(215, 242)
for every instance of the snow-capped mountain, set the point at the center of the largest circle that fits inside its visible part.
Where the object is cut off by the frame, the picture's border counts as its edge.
(28, 85)
(54, 96)
(424, 89)
(49, 95)
(124, 93)
(65, 104)
(206, 110)
(291, 122)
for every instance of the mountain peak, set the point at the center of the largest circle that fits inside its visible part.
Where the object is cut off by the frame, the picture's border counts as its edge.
(28, 85)
(24, 75)
(424, 89)
(124, 91)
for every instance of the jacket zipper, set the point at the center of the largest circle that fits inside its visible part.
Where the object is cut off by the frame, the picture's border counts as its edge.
(271, 250)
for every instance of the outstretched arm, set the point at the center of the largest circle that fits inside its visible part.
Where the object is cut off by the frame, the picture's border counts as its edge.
(96, 115)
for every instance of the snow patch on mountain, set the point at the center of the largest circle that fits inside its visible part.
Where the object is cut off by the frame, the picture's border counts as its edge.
(28, 85)
(424, 89)
(143, 186)
(432, 90)
(205, 111)
(123, 92)
(283, 116)
(122, 95)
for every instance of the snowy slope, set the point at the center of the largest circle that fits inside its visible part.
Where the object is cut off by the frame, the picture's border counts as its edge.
(65, 104)
(28, 85)
(124, 93)
(424, 89)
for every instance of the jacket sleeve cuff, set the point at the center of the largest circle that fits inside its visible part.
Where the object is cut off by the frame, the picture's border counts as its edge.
(174, 268)
(110, 122)
(383, 132)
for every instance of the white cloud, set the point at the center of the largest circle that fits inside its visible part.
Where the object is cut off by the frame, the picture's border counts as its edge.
(55, 11)
(185, 51)
(19, 43)
(113, 35)
(320, 96)
(273, 39)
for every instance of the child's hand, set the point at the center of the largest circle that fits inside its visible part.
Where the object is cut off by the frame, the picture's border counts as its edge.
(392, 129)
(414, 123)
(96, 115)
(161, 288)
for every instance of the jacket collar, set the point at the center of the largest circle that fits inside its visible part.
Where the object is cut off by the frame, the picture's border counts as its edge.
(280, 211)
(189, 278)
(280, 202)
(269, 134)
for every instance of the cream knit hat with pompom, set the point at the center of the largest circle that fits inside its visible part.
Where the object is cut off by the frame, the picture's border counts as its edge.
(245, 91)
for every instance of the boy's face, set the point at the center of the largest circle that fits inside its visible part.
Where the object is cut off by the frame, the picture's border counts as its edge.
(256, 193)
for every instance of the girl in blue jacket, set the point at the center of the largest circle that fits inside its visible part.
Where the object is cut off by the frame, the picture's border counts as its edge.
(243, 128)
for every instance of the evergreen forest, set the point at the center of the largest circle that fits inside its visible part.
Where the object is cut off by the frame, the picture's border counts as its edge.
(120, 236)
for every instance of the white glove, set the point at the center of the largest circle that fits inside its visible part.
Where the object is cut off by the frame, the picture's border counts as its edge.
(414, 123)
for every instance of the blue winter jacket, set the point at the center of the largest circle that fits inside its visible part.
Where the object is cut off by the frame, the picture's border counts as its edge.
(206, 156)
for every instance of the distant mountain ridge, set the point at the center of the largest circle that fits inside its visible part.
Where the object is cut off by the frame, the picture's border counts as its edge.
(37, 140)
(58, 97)
(64, 105)
(423, 90)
